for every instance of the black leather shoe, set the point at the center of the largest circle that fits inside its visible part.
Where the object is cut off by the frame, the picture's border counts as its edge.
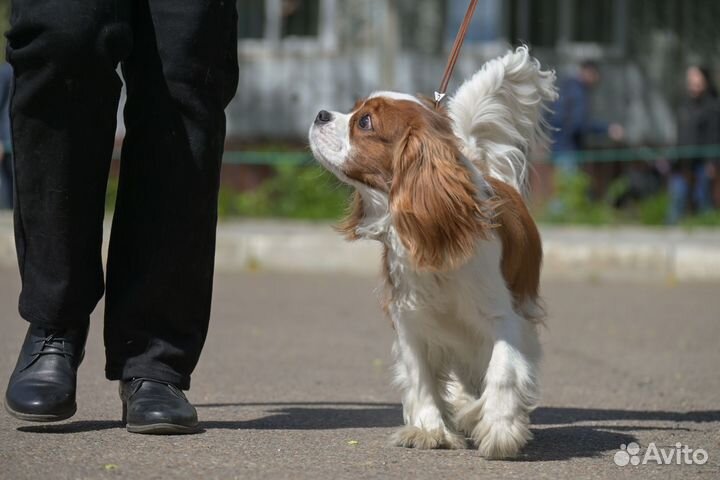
(155, 407)
(42, 386)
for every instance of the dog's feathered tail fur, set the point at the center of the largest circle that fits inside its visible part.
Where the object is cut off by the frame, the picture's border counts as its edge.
(498, 115)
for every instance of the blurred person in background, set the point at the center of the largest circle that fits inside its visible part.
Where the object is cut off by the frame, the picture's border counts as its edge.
(6, 175)
(692, 175)
(572, 119)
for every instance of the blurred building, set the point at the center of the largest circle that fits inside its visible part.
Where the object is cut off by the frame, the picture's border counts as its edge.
(298, 56)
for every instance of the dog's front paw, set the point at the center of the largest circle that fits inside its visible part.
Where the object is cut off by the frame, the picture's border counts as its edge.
(501, 439)
(416, 437)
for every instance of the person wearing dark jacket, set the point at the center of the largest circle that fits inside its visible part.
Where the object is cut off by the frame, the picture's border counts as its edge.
(698, 126)
(572, 118)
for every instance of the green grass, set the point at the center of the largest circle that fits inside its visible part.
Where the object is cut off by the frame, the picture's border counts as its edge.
(298, 192)
(710, 219)
(308, 192)
(572, 205)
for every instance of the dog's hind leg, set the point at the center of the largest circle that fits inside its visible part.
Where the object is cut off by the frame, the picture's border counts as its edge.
(465, 386)
(510, 389)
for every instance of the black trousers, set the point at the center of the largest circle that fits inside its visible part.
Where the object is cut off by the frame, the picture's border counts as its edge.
(6, 181)
(179, 62)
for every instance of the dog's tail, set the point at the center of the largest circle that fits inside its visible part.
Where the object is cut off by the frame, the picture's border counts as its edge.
(498, 114)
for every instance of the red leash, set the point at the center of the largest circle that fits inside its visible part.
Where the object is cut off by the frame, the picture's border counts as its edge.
(455, 52)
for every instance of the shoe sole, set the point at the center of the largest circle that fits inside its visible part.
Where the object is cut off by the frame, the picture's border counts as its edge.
(40, 417)
(162, 429)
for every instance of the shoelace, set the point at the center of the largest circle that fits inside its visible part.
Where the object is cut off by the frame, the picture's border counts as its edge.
(50, 342)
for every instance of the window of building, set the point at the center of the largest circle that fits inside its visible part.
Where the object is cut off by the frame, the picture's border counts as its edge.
(251, 19)
(422, 24)
(593, 22)
(693, 23)
(535, 22)
(547, 23)
(484, 26)
(299, 18)
(278, 19)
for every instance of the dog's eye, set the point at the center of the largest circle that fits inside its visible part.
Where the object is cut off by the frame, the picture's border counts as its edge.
(365, 122)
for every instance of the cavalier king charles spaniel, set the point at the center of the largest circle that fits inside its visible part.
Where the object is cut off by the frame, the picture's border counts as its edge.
(442, 189)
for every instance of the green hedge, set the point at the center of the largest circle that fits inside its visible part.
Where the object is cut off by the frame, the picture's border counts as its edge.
(572, 205)
(308, 192)
(300, 192)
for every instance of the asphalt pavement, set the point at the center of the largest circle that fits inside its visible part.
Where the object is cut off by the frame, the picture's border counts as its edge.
(294, 383)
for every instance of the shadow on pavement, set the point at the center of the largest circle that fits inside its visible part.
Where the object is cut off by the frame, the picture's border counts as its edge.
(313, 416)
(555, 439)
(563, 441)
(284, 404)
(560, 415)
(78, 426)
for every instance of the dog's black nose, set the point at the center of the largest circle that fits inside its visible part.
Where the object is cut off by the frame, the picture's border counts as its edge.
(323, 117)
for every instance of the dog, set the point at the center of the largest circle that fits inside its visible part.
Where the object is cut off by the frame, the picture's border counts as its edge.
(442, 189)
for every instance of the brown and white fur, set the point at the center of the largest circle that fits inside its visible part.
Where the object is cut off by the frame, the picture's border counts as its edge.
(442, 190)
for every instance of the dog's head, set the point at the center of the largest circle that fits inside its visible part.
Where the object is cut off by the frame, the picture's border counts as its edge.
(401, 155)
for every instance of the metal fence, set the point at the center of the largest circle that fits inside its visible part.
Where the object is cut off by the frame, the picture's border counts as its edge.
(636, 154)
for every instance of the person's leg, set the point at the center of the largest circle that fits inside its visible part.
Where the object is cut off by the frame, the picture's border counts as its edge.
(64, 56)
(702, 189)
(6, 182)
(10, 166)
(180, 76)
(63, 114)
(678, 192)
(715, 183)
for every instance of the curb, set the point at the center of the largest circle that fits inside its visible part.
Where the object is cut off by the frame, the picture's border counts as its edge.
(633, 253)
(573, 253)
(570, 252)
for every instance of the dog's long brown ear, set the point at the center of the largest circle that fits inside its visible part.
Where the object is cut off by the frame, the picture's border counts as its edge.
(348, 226)
(433, 202)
